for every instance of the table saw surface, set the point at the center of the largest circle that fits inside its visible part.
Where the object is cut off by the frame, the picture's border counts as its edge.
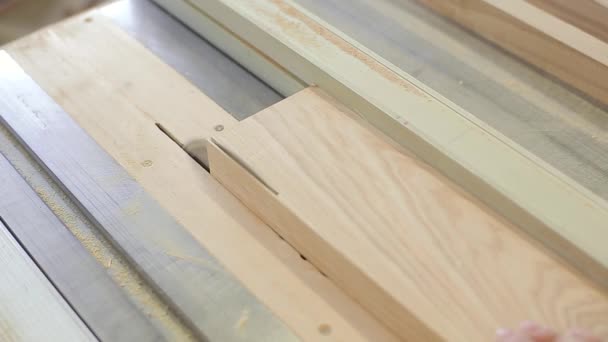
(542, 115)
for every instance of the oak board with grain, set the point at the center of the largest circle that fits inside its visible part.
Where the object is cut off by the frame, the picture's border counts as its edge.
(428, 260)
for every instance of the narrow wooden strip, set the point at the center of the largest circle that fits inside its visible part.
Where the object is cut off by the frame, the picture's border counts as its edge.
(483, 161)
(555, 28)
(588, 15)
(192, 281)
(547, 42)
(425, 258)
(82, 281)
(30, 308)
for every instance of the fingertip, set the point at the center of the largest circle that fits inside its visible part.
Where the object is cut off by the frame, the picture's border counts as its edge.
(584, 336)
(503, 334)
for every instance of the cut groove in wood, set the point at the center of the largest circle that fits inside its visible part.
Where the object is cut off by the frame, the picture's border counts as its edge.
(236, 159)
(588, 15)
(196, 149)
(428, 260)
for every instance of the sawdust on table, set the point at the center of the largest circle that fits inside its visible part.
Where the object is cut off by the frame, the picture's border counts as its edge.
(335, 40)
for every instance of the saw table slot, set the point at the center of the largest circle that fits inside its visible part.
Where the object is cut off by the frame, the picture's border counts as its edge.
(195, 149)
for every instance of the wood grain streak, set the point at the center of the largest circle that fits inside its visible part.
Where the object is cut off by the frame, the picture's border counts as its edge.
(588, 15)
(425, 258)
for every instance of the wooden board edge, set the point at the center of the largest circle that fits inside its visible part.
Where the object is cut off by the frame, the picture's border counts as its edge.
(227, 168)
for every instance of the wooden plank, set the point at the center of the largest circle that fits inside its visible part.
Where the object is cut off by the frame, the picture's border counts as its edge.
(83, 282)
(307, 301)
(426, 259)
(588, 15)
(30, 308)
(77, 41)
(484, 162)
(192, 282)
(556, 47)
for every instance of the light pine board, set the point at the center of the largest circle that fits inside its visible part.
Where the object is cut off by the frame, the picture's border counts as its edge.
(90, 84)
(540, 38)
(30, 307)
(426, 259)
(482, 160)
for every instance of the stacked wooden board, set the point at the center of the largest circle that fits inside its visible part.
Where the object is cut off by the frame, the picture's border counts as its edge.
(566, 39)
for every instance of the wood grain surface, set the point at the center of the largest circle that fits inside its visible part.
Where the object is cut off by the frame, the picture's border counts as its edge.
(425, 258)
(588, 15)
(30, 307)
(91, 88)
